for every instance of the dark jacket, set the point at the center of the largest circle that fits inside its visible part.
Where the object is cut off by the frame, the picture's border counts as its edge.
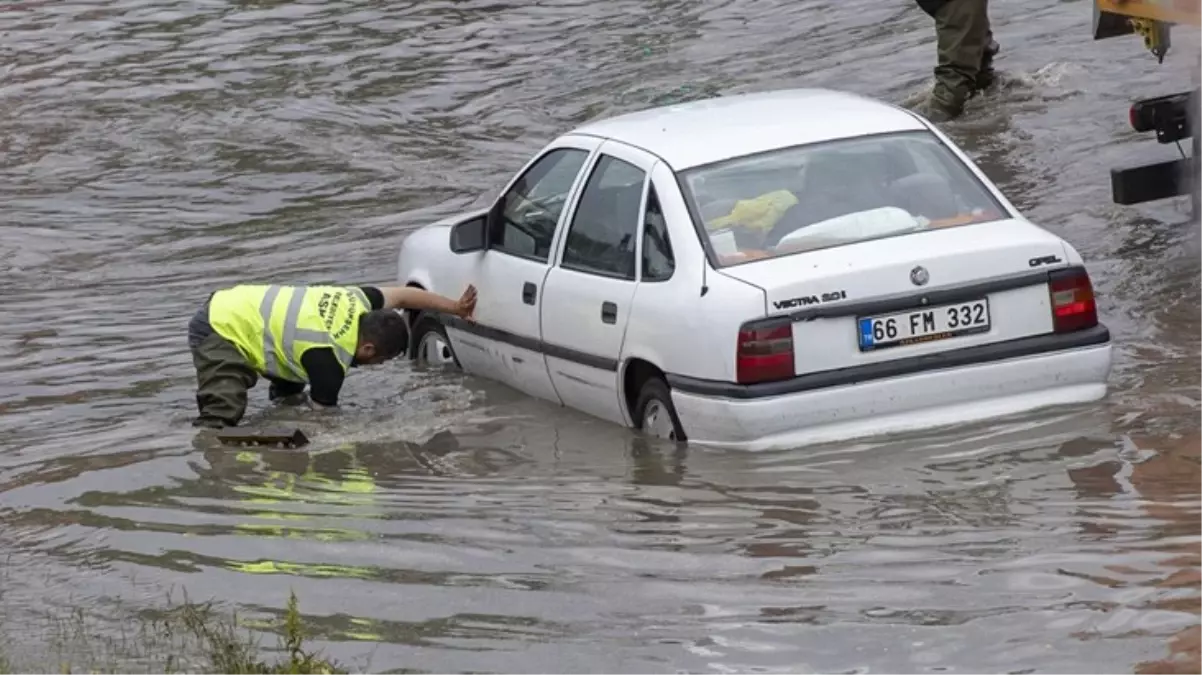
(932, 6)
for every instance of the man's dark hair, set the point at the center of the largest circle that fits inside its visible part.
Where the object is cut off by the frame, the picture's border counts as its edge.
(385, 329)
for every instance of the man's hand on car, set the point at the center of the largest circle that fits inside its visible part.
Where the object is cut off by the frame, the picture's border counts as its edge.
(466, 305)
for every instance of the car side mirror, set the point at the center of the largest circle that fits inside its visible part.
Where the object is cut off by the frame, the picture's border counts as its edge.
(470, 235)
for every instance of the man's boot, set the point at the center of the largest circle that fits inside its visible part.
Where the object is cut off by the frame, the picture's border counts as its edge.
(941, 105)
(986, 76)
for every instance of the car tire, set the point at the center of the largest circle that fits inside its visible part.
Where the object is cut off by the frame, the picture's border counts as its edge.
(429, 344)
(654, 413)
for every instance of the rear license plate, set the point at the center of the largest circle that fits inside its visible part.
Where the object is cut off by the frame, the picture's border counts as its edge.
(924, 325)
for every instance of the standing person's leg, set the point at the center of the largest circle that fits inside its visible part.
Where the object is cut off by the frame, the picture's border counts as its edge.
(986, 75)
(223, 377)
(962, 35)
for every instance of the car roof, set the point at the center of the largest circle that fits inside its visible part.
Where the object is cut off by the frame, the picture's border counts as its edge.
(712, 130)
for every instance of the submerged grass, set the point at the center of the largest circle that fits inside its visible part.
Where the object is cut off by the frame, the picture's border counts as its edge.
(185, 638)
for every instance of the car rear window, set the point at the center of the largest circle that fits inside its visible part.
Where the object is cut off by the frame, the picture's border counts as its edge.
(832, 194)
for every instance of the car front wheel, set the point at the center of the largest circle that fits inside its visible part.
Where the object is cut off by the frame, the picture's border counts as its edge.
(430, 345)
(654, 413)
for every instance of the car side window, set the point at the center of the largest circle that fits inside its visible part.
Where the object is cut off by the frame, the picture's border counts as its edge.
(530, 209)
(601, 239)
(658, 263)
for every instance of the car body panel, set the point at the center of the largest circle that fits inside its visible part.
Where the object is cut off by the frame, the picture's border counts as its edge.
(686, 326)
(713, 130)
(582, 349)
(907, 403)
(825, 287)
(505, 340)
(688, 323)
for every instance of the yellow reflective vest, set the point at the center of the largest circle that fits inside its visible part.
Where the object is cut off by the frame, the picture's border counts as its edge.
(274, 325)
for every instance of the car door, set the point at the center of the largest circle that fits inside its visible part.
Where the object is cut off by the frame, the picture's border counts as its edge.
(587, 298)
(505, 341)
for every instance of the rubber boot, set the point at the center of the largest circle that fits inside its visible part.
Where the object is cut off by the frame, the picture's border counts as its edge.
(986, 76)
(940, 106)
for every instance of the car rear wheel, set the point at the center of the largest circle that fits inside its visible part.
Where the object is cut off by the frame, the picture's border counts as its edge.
(654, 413)
(430, 345)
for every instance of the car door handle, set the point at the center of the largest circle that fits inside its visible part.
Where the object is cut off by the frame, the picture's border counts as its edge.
(529, 291)
(609, 312)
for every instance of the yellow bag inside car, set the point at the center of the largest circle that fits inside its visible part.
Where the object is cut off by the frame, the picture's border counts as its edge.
(759, 213)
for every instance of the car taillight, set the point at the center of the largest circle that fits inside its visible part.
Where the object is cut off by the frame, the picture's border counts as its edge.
(1073, 306)
(1138, 119)
(765, 353)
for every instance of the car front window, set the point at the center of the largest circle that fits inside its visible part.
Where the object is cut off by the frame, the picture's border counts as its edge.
(531, 208)
(832, 194)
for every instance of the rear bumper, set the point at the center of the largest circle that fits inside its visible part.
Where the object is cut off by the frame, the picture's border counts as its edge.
(954, 387)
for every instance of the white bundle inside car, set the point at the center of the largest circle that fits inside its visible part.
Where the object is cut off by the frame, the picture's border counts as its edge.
(858, 226)
(763, 271)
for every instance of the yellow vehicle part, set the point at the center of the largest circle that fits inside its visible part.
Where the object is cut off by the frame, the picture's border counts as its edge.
(1155, 35)
(1183, 12)
(1150, 19)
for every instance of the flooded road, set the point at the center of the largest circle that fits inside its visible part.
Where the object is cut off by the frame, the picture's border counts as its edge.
(151, 151)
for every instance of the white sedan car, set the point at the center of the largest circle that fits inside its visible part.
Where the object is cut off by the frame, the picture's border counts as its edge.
(763, 271)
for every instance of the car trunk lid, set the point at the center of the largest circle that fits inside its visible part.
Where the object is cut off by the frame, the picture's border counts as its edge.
(907, 296)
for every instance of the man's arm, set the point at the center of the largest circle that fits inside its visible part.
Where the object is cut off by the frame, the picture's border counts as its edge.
(398, 297)
(325, 376)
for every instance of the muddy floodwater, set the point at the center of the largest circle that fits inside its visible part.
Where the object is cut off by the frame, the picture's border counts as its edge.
(153, 150)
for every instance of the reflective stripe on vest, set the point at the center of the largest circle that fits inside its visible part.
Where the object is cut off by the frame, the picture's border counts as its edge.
(291, 334)
(272, 332)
